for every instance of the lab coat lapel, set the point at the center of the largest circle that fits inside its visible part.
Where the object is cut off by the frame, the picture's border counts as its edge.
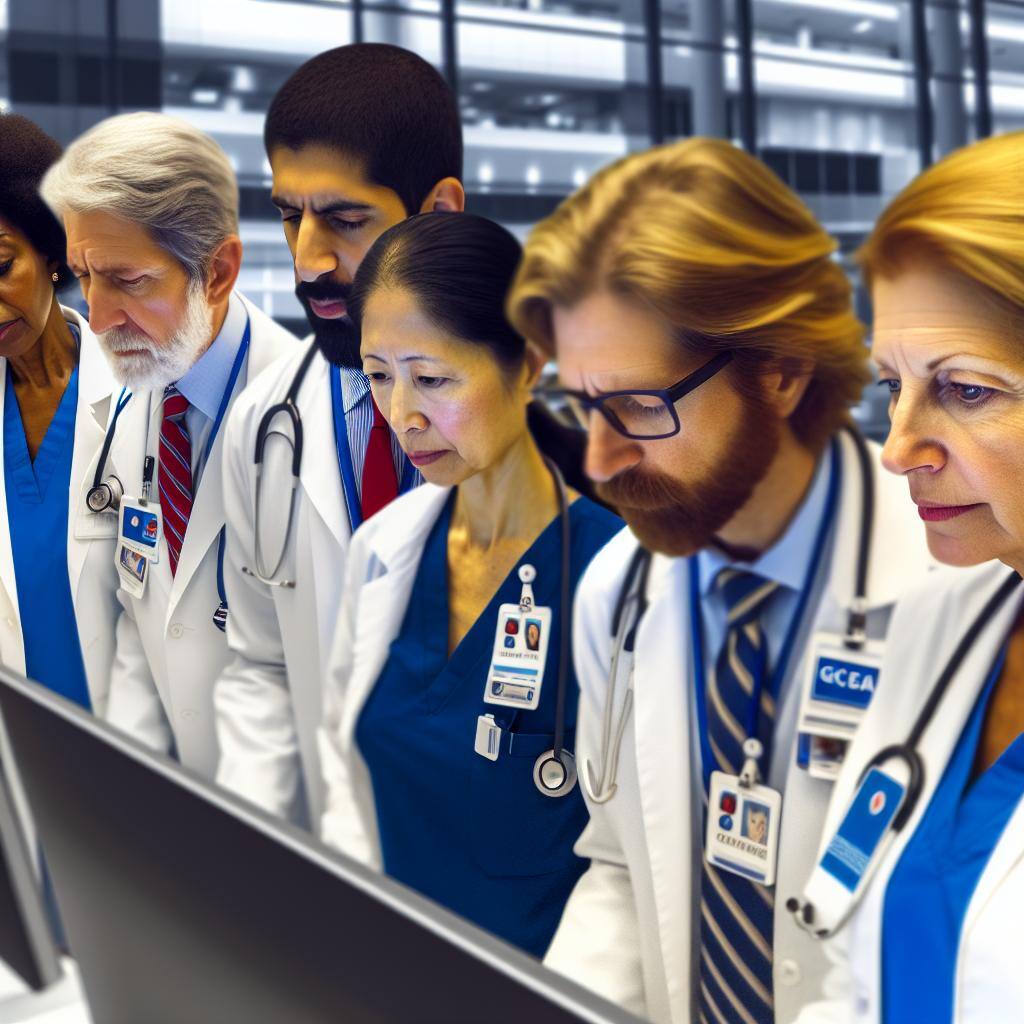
(663, 684)
(319, 473)
(7, 579)
(95, 401)
(392, 563)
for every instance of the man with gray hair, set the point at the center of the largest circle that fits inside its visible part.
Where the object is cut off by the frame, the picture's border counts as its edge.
(150, 207)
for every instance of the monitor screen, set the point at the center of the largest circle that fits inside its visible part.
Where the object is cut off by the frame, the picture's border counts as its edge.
(183, 903)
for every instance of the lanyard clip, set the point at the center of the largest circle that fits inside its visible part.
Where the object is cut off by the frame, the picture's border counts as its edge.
(753, 751)
(857, 624)
(527, 574)
(147, 478)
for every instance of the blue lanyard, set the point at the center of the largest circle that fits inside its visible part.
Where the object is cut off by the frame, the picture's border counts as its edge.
(708, 761)
(344, 450)
(224, 403)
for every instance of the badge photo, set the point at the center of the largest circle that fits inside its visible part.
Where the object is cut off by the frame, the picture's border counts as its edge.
(132, 569)
(139, 529)
(744, 824)
(520, 653)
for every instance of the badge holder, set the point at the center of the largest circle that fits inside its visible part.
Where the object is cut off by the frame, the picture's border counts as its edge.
(843, 674)
(520, 653)
(851, 858)
(744, 821)
(139, 529)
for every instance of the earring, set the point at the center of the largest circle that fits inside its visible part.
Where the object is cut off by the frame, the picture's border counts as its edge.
(55, 277)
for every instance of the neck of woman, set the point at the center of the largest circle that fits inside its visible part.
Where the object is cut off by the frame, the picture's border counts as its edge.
(47, 366)
(515, 497)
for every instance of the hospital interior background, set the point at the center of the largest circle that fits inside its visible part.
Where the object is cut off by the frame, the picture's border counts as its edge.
(845, 99)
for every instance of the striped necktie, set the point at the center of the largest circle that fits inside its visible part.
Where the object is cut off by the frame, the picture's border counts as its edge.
(737, 914)
(175, 473)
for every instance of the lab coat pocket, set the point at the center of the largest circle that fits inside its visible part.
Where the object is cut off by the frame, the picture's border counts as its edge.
(517, 831)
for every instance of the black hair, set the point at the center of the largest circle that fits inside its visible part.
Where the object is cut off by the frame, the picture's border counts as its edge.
(459, 267)
(381, 105)
(26, 154)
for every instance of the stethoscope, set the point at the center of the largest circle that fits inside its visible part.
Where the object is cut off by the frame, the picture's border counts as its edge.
(289, 408)
(105, 494)
(631, 604)
(907, 752)
(554, 772)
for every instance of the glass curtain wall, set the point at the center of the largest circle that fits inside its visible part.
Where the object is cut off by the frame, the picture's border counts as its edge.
(844, 99)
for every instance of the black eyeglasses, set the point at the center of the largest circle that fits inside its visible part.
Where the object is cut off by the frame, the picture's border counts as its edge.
(645, 415)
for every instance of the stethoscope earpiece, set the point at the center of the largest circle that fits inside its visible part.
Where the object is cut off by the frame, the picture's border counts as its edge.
(555, 776)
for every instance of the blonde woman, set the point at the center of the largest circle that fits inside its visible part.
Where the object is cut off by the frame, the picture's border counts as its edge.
(935, 933)
(711, 348)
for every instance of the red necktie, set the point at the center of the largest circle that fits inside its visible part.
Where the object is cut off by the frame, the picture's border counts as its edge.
(175, 473)
(380, 484)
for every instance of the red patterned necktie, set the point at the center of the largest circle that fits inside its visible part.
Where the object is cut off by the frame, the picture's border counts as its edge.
(380, 483)
(175, 473)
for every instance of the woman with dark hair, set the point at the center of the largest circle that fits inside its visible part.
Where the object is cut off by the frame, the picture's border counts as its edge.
(447, 736)
(57, 605)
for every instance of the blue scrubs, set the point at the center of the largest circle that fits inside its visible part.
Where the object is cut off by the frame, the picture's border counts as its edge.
(929, 892)
(472, 834)
(37, 514)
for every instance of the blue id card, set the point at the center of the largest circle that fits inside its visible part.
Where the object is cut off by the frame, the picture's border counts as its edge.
(140, 528)
(870, 814)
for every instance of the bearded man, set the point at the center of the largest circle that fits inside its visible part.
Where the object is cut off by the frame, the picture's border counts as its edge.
(705, 335)
(150, 207)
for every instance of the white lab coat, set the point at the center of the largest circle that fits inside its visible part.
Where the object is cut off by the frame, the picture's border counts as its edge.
(379, 576)
(269, 696)
(927, 625)
(630, 930)
(169, 652)
(90, 540)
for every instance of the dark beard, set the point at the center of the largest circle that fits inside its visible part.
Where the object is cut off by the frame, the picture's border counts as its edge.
(338, 340)
(679, 519)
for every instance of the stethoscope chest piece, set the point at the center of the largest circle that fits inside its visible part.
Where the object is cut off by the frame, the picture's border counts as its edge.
(105, 496)
(555, 776)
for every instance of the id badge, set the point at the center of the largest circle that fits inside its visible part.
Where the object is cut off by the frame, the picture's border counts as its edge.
(140, 527)
(838, 688)
(744, 824)
(520, 653)
(853, 847)
(133, 570)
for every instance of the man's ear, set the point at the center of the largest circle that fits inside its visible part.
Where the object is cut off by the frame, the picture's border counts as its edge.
(224, 266)
(447, 196)
(785, 384)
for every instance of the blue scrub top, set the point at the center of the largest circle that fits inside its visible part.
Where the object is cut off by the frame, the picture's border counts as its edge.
(472, 834)
(37, 515)
(930, 890)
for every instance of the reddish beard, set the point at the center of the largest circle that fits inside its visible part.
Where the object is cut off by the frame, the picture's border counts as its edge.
(675, 518)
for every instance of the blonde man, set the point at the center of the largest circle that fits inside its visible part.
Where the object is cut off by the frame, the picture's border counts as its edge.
(705, 335)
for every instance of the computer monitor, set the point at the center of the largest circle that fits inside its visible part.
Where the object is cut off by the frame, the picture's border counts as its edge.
(26, 942)
(183, 903)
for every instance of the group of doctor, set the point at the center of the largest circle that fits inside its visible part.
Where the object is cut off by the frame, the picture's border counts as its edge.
(741, 755)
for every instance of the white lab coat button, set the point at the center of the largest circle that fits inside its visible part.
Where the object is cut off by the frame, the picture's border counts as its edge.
(187, 714)
(177, 630)
(10, 623)
(789, 972)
